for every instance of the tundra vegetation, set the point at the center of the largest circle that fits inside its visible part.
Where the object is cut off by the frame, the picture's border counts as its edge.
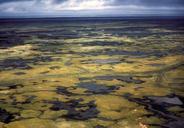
(91, 74)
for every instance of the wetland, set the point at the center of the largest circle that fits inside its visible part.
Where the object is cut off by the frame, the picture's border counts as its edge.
(91, 73)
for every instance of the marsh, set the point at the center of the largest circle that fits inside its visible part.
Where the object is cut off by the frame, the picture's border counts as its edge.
(92, 73)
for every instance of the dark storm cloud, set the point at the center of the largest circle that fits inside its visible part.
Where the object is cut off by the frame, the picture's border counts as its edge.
(7, 1)
(124, 2)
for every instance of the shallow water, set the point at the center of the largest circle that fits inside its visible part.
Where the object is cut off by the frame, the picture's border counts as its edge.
(91, 73)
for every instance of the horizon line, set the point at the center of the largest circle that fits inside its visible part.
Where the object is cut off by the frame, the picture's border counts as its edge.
(53, 17)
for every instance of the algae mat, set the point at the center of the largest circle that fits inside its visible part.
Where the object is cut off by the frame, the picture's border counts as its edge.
(103, 73)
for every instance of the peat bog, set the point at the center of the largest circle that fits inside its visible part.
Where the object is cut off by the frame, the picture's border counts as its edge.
(121, 73)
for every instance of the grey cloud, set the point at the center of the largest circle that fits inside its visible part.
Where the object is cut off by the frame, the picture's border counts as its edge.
(164, 3)
(7, 1)
(120, 7)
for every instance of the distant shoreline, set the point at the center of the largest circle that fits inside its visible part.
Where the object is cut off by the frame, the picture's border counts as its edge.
(99, 17)
(91, 18)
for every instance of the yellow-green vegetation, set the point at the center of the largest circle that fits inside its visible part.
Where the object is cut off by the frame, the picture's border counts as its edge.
(103, 75)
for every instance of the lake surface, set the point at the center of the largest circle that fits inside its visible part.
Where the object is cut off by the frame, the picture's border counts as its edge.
(92, 73)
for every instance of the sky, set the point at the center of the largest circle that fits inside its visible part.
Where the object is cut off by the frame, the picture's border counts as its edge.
(90, 8)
